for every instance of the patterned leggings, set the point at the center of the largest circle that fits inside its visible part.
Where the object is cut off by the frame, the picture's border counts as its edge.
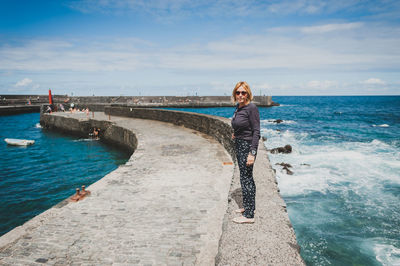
(242, 148)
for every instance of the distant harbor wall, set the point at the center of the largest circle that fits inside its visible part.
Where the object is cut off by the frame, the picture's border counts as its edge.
(19, 109)
(98, 103)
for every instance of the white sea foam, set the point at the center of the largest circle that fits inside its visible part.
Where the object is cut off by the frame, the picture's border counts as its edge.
(284, 105)
(83, 140)
(272, 121)
(362, 166)
(383, 125)
(38, 125)
(387, 254)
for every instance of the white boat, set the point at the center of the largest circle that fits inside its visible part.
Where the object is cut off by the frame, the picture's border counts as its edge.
(19, 142)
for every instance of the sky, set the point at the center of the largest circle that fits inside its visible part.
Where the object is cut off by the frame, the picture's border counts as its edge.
(183, 47)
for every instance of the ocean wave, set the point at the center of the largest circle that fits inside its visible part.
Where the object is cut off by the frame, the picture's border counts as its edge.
(83, 140)
(364, 165)
(377, 142)
(387, 254)
(382, 125)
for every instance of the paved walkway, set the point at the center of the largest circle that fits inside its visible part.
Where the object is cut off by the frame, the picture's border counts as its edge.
(271, 239)
(166, 205)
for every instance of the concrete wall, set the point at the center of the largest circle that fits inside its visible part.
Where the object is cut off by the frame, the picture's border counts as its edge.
(217, 127)
(109, 132)
(22, 109)
(132, 100)
(17, 104)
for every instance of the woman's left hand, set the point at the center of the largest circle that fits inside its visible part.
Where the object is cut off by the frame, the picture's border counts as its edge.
(250, 160)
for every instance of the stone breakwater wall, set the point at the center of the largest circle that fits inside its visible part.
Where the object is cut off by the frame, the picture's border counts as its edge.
(217, 127)
(97, 103)
(110, 133)
(238, 242)
(19, 109)
(271, 240)
(159, 100)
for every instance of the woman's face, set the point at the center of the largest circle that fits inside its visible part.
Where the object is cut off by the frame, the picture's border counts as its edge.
(241, 96)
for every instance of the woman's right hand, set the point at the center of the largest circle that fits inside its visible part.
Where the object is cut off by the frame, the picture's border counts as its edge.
(233, 136)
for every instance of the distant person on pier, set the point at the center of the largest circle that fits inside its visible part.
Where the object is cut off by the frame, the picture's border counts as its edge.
(49, 110)
(96, 132)
(246, 127)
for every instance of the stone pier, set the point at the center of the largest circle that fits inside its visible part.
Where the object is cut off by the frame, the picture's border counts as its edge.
(170, 204)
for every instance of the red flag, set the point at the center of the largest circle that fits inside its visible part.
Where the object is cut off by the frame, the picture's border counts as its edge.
(50, 97)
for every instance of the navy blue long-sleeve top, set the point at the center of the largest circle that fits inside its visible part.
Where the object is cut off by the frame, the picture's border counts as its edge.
(246, 124)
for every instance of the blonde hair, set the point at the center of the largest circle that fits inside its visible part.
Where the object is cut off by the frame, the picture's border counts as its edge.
(246, 87)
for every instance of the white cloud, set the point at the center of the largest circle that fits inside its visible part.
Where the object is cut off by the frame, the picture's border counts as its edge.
(24, 82)
(255, 58)
(166, 10)
(277, 50)
(230, 8)
(374, 81)
(330, 27)
(325, 84)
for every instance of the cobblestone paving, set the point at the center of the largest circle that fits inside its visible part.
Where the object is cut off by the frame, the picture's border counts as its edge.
(165, 206)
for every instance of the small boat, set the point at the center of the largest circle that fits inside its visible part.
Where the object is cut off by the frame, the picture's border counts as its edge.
(19, 142)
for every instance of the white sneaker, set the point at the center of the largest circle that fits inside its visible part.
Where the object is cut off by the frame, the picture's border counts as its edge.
(240, 210)
(243, 220)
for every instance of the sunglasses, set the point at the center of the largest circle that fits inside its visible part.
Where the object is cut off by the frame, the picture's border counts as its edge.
(241, 92)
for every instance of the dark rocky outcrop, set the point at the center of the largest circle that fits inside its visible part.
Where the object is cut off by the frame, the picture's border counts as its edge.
(286, 166)
(285, 149)
(288, 171)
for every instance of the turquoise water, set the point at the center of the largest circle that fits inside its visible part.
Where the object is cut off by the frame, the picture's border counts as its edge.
(35, 178)
(343, 198)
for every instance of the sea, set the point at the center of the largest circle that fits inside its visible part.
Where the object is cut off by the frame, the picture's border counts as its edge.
(37, 177)
(343, 198)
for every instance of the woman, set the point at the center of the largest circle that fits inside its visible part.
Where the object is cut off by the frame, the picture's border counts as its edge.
(246, 127)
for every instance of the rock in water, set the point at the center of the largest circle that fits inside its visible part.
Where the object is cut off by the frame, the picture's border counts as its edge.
(286, 149)
(284, 165)
(287, 170)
